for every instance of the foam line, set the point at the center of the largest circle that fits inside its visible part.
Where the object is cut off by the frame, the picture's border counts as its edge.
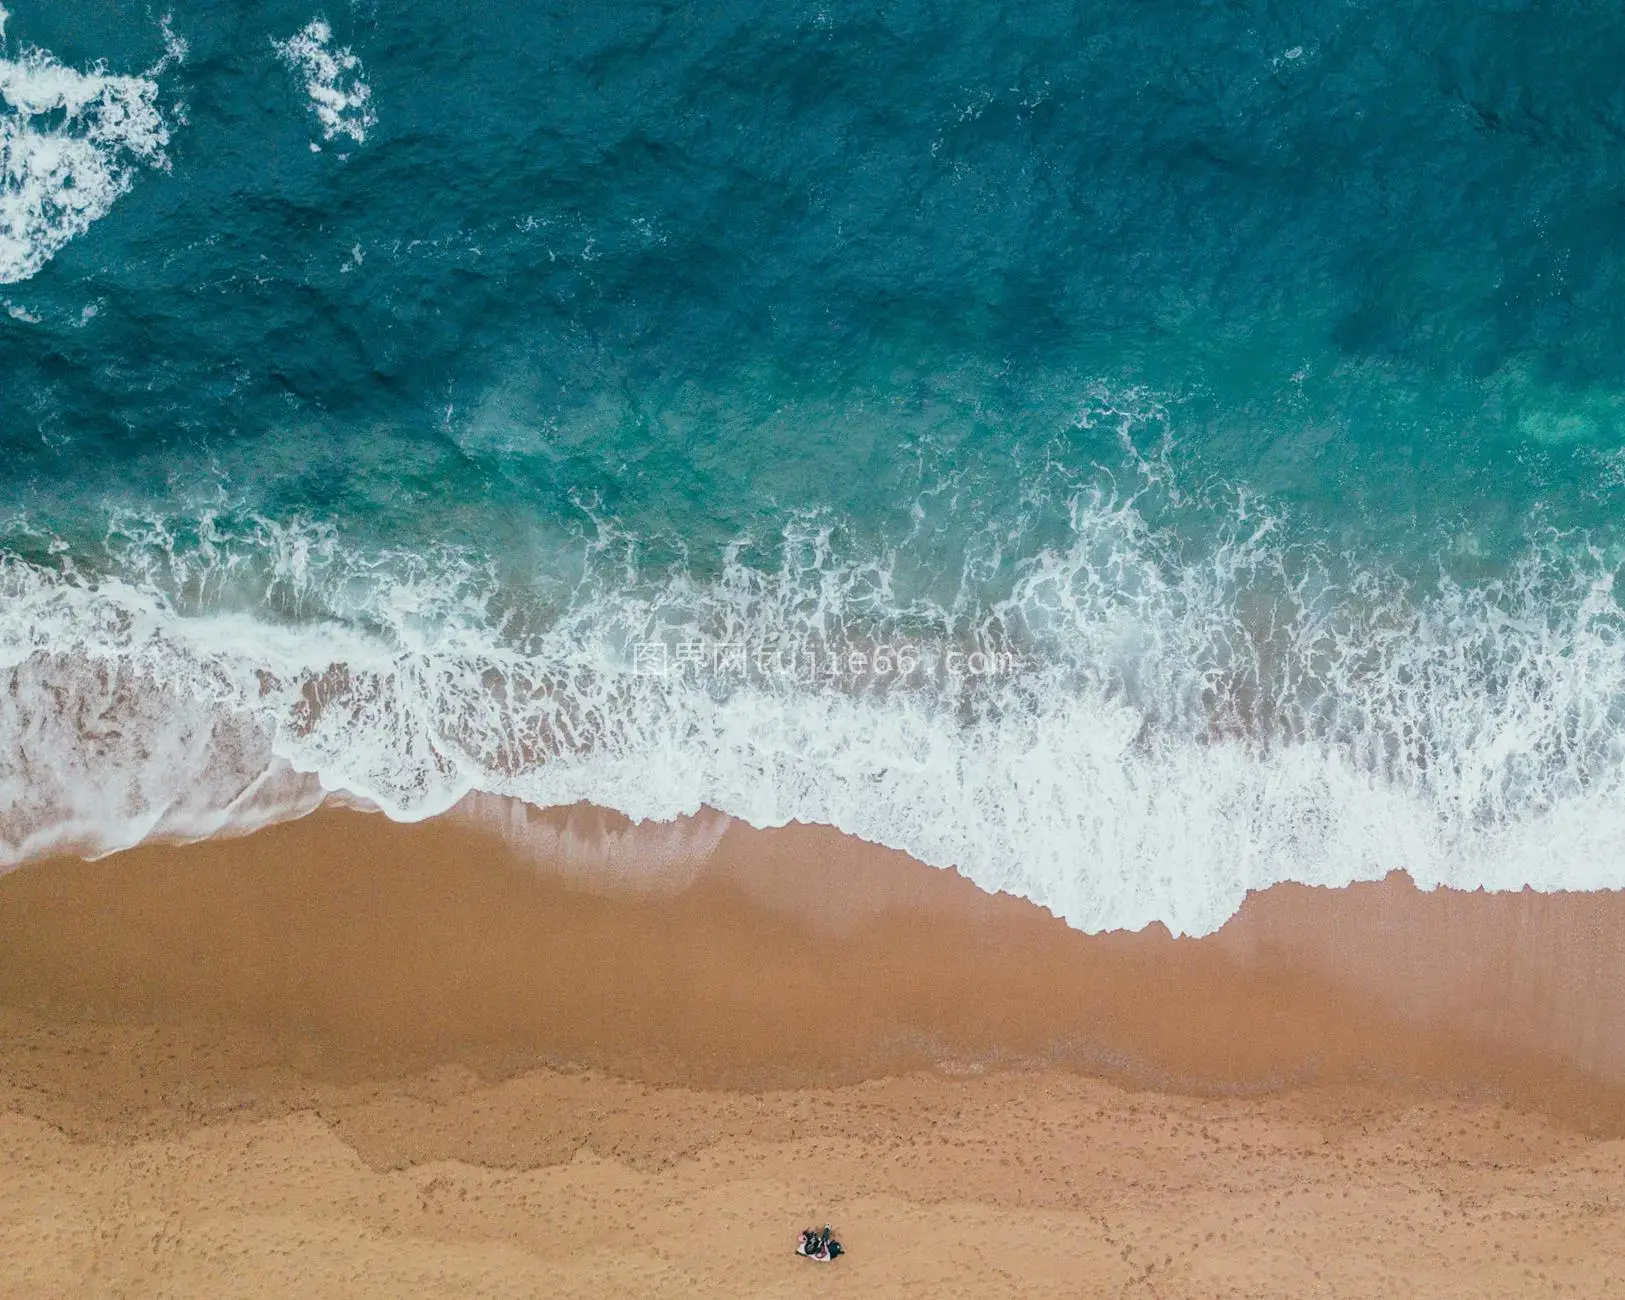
(1151, 734)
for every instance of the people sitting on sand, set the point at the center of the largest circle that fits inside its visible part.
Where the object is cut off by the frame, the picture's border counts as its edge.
(818, 1245)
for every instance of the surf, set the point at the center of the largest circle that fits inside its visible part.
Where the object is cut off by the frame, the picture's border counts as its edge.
(72, 142)
(1124, 729)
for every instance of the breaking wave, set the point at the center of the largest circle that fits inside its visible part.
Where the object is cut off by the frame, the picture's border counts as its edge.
(1127, 731)
(71, 144)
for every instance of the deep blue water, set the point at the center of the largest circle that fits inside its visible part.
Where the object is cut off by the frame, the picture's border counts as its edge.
(1247, 375)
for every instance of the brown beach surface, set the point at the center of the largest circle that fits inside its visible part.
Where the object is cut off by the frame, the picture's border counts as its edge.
(505, 1053)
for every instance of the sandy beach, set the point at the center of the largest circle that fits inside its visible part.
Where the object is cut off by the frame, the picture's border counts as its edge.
(509, 1053)
(507, 510)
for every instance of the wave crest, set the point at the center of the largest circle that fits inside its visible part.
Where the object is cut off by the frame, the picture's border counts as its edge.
(1127, 731)
(71, 144)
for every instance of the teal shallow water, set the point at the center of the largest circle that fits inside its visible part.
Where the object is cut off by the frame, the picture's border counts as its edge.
(403, 400)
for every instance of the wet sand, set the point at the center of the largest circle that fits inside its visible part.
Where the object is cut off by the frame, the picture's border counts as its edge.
(512, 1053)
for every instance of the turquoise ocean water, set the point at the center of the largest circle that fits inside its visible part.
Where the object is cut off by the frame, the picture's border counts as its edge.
(1132, 452)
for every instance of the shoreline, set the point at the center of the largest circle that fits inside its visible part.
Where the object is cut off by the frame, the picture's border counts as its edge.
(709, 953)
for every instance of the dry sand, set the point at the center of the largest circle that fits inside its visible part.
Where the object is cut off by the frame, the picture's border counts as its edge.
(511, 1054)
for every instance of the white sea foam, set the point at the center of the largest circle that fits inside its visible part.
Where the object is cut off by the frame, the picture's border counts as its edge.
(333, 81)
(1179, 729)
(71, 143)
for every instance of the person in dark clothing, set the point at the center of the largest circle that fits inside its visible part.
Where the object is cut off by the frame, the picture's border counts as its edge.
(821, 1246)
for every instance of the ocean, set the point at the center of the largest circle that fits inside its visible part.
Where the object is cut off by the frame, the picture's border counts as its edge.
(1130, 452)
